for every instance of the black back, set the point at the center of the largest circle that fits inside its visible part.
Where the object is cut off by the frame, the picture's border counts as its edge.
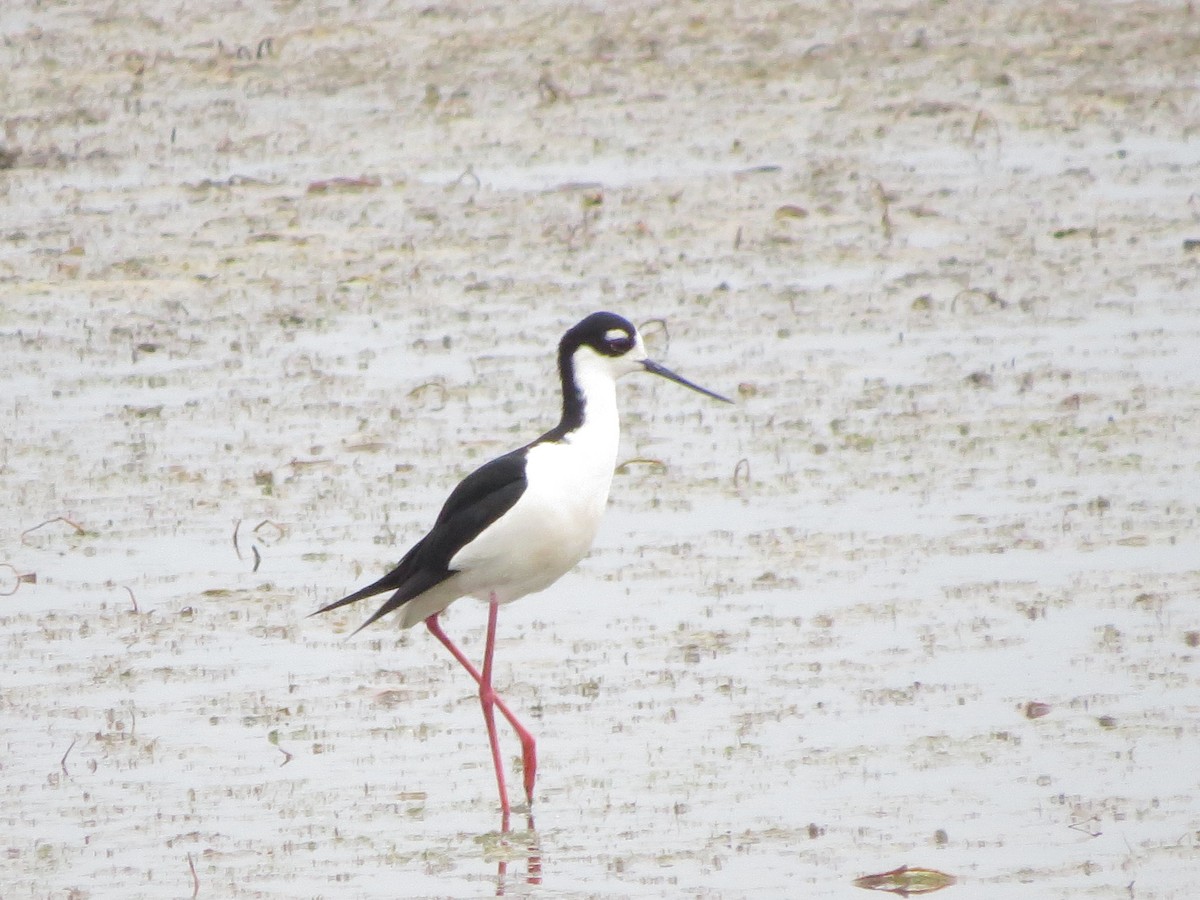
(479, 500)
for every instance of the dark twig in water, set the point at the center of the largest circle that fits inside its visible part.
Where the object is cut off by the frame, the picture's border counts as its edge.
(280, 531)
(63, 762)
(1087, 827)
(257, 557)
(743, 464)
(79, 529)
(132, 598)
(236, 548)
(420, 390)
(656, 465)
(662, 326)
(468, 172)
(195, 877)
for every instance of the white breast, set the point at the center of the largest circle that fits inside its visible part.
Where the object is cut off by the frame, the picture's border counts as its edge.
(552, 526)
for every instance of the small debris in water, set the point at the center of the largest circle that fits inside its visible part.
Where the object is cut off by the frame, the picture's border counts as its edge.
(18, 579)
(1035, 709)
(906, 881)
(344, 185)
(654, 465)
(791, 211)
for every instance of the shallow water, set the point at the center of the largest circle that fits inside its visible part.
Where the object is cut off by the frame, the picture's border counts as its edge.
(937, 254)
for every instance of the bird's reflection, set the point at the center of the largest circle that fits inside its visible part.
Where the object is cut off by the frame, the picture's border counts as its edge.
(510, 841)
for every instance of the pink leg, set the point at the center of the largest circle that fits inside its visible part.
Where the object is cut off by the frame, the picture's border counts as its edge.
(487, 699)
(528, 745)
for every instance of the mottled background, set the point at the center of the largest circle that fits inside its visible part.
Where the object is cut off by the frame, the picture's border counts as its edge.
(274, 276)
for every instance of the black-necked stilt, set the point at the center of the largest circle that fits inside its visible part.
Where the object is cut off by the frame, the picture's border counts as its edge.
(520, 522)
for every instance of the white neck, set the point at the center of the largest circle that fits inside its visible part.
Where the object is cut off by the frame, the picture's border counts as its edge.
(601, 427)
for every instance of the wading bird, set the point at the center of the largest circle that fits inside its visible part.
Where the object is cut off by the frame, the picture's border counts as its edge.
(517, 524)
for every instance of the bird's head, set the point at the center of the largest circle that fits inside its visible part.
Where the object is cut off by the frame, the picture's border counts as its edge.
(612, 344)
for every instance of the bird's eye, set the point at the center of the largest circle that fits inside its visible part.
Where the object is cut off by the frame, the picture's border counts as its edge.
(621, 344)
(618, 341)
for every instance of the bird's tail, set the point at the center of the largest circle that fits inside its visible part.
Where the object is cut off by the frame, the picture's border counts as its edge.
(406, 586)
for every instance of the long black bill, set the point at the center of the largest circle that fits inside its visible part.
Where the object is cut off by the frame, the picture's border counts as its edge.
(651, 366)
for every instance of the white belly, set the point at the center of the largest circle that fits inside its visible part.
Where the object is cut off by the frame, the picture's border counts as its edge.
(548, 531)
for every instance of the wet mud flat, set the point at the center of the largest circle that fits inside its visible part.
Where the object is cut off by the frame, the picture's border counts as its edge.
(272, 280)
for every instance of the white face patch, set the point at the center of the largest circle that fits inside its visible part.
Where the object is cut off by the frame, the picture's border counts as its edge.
(614, 333)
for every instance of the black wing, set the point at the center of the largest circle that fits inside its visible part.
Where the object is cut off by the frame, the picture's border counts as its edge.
(479, 500)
